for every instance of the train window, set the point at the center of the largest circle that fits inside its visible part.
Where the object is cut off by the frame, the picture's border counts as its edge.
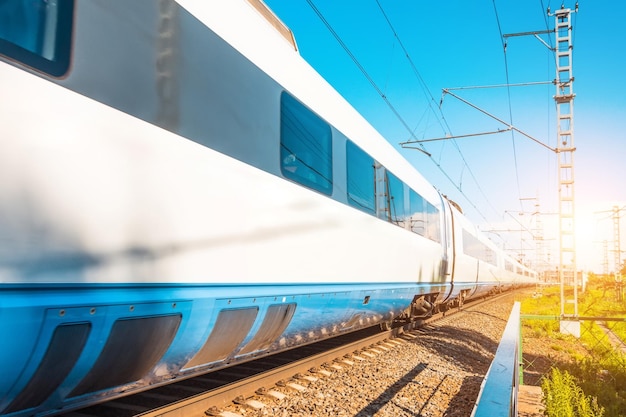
(509, 266)
(433, 226)
(37, 33)
(305, 146)
(424, 217)
(361, 175)
(417, 213)
(477, 249)
(471, 245)
(394, 194)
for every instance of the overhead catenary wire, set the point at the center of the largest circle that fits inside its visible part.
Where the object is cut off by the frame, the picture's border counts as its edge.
(501, 121)
(468, 135)
(419, 77)
(391, 106)
(506, 70)
(473, 87)
(358, 64)
(430, 102)
(545, 11)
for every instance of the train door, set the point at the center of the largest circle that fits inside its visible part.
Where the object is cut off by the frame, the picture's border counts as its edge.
(448, 257)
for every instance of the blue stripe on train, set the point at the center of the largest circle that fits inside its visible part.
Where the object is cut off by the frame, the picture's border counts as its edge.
(168, 324)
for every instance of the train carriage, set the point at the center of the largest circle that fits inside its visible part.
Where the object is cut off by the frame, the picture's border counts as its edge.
(180, 191)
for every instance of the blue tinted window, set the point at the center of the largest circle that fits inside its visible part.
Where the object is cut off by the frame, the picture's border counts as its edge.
(37, 33)
(417, 213)
(433, 226)
(395, 199)
(473, 247)
(361, 176)
(424, 217)
(305, 146)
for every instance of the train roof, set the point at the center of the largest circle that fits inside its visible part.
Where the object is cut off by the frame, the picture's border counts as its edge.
(242, 25)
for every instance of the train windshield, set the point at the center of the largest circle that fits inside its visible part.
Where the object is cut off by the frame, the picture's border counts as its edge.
(37, 33)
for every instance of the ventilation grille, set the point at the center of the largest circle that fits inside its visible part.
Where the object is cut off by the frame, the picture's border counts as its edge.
(230, 329)
(133, 348)
(66, 345)
(276, 320)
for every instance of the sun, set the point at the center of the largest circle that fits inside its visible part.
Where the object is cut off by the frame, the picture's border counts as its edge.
(597, 236)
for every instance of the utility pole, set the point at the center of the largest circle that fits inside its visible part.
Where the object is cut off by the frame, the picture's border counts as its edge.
(537, 234)
(605, 264)
(617, 247)
(617, 251)
(564, 99)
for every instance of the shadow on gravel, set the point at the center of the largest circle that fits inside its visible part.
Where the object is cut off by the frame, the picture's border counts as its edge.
(376, 404)
(463, 402)
(465, 348)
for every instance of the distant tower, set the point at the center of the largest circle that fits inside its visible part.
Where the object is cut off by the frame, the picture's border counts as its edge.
(605, 248)
(617, 252)
(539, 247)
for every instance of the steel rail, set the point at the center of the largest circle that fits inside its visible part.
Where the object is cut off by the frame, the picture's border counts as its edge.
(247, 387)
(210, 401)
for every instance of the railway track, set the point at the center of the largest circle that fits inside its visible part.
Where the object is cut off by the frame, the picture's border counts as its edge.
(253, 383)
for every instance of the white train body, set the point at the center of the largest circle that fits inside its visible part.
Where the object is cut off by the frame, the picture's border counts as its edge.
(146, 182)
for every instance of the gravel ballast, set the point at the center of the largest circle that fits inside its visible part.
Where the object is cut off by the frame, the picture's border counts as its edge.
(432, 372)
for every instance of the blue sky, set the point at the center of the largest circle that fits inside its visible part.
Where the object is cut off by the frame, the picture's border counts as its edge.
(458, 44)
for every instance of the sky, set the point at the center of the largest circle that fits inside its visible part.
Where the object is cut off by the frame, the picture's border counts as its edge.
(413, 49)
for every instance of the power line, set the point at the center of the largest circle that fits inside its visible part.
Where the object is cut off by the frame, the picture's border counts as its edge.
(501, 121)
(422, 83)
(392, 107)
(545, 12)
(508, 92)
(426, 90)
(500, 85)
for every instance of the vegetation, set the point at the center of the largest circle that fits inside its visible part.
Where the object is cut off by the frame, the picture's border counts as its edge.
(594, 364)
(563, 398)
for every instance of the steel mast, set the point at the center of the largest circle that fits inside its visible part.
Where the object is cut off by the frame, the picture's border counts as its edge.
(564, 99)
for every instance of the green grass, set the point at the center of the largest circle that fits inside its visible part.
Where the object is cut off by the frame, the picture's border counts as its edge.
(564, 398)
(596, 367)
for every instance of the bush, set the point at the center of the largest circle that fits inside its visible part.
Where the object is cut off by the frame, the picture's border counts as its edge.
(562, 397)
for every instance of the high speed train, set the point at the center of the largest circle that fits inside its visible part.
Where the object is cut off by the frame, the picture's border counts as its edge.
(180, 191)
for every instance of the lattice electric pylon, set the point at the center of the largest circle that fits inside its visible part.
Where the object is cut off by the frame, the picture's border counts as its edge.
(564, 99)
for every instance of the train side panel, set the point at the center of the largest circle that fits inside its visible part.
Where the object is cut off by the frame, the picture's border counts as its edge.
(151, 224)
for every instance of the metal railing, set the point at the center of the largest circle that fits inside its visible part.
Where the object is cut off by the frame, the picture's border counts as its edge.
(498, 392)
